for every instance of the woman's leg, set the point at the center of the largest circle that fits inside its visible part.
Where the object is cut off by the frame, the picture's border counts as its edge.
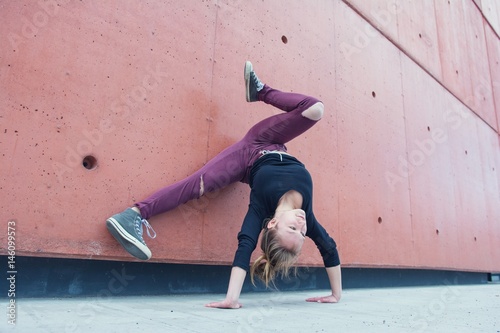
(227, 167)
(302, 112)
(127, 227)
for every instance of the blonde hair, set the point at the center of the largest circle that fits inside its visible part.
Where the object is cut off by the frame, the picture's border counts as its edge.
(275, 259)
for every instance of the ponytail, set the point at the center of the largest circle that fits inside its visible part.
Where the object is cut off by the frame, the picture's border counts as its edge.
(275, 259)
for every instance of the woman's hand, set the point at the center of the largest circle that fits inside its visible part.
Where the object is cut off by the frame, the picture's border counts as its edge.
(233, 291)
(324, 299)
(225, 304)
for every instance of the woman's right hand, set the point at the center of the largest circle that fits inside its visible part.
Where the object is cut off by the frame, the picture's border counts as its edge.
(233, 291)
(225, 304)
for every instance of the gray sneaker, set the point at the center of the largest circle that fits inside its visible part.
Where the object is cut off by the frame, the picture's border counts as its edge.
(126, 228)
(252, 83)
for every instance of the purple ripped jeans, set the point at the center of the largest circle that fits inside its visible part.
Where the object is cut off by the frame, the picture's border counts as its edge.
(233, 164)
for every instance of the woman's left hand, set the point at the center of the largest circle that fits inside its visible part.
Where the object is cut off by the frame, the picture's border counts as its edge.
(323, 299)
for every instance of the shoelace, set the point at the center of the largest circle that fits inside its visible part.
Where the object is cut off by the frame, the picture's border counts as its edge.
(258, 84)
(149, 229)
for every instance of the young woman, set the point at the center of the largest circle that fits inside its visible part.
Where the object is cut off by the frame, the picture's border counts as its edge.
(280, 198)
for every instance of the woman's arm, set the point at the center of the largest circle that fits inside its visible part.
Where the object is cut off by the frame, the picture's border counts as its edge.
(233, 290)
(328, 249)
(335, 277)
(247, 241)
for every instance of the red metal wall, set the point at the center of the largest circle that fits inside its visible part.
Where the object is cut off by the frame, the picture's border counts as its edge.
(406, 160)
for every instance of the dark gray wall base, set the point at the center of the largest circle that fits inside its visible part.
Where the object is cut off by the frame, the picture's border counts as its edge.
(49, 277)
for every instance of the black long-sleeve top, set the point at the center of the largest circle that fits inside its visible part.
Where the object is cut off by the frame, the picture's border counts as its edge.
(271, 176)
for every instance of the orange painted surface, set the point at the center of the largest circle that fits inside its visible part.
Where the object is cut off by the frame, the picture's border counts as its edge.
(405, 162)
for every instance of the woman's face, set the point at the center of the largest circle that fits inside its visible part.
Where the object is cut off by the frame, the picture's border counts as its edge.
(291, 228)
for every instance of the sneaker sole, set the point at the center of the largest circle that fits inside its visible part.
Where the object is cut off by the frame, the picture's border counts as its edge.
(248, 70)
(129, 242)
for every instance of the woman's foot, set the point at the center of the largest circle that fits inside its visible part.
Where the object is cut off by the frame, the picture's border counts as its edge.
(252, 83)
(126, 228)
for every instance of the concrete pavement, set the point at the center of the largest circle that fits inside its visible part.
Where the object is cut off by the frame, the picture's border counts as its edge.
(445, 308)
